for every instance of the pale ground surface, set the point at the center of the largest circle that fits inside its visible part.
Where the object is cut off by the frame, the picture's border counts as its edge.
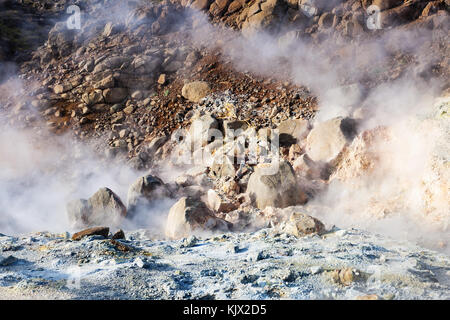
(258, 265)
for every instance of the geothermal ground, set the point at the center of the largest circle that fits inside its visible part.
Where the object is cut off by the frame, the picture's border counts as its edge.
(249, 149)
(342, 264)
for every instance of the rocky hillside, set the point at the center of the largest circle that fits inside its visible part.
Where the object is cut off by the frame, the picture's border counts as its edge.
(205, 121)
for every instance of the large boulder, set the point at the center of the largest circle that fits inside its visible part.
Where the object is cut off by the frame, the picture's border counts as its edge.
(218, 204)
(106, 207)
(362, 156)
(78, 212)
(202, 130)
(195, 91)
(144, 191)
(308, 168)
(267, 188)
(292, 131)
(190, 215)
(327, 139)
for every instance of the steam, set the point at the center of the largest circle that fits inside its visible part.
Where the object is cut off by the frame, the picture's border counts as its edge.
(406, 193)
(38, 177)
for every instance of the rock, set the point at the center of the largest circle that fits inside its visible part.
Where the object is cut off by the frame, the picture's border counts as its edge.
(105, 83)
(216, 203)
(120, 246)
(110, 63)
(190, 242)
(162, 78)
(327, 139)
(234, 128)
(345, 276)
(200, 4)
(79, 212)
(109, 29)
(195, 91)
(276, 188)
(230, 187)
(100, 231)
(139, 262)
(309, 168)
(202, 129)
(223, 166)
(235, 6)
(128, 110)
(118, 235)
(191, 215)
(173, 66)
(326, 20)
(361, 157)
(191, 58)
(300, 224)
(218, 7)
(146, 64)
(115, 95)
(156, 143)
(61, 88)
(137, 95)
(144, 191)
(386, 4)
(184, 180)
(260, 255)
(93, 97)
(292, 131)
(106, 207)
(316, 269)
(7, 261)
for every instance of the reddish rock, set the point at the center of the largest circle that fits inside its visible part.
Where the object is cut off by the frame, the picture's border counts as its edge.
(99, 231)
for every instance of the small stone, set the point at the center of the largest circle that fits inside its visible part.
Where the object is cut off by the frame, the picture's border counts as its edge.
(115, 95)
(345, 276)
(137, 95)
(139, 263)
(162, 79)
(118, 235)
(9, 260)
(316, 269)
(128, 110)
(190, 242)
(60, 88)
(260, 255)
(123, 133)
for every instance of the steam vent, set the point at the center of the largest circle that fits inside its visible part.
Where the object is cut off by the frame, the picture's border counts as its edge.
(224, 150)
